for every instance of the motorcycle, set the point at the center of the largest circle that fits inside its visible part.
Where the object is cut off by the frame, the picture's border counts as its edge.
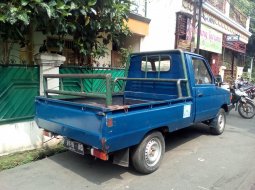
(247, 87)
(242, 103)
(250, 91)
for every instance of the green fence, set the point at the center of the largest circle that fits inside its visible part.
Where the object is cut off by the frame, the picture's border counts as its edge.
(90, 85)
(18, 87)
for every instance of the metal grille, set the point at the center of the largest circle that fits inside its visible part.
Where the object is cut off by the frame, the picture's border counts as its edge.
(183, 31)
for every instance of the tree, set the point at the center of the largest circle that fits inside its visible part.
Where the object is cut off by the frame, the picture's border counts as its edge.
(86, 20)
(248, 8)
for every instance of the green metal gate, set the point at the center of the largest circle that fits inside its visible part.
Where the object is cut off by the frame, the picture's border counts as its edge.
(18, 87)
(91, 85)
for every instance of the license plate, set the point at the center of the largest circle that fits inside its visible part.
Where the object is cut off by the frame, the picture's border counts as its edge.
(74, 146)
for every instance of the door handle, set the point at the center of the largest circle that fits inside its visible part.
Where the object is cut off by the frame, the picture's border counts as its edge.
(200, 95)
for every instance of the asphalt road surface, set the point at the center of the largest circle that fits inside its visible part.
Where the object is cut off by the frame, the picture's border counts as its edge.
(194, 160)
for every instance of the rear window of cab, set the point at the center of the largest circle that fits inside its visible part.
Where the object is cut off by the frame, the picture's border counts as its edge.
(156, 63)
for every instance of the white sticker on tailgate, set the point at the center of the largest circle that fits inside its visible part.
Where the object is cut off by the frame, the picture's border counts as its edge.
(186, 111)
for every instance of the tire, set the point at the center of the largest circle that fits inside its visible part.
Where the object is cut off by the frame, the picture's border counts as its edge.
(217, 125)
(144, 160)
(247, 112)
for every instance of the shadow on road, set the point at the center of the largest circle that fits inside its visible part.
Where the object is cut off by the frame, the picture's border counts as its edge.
(185, 135)
(98, 172)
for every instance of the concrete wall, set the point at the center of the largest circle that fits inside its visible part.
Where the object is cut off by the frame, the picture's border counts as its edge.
(14, 54)
(38, 41)
(21, 136)
(134, 42)
(162, 26)
(106, 60)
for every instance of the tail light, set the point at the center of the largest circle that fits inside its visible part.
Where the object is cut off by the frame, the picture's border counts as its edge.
(99, 154)
(109, 122)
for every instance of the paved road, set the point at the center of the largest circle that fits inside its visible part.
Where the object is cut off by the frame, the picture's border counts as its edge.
(194, 160)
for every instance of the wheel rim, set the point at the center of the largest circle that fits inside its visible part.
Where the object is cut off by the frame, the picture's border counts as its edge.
(247, 110)
(221, 122)
(153, 151)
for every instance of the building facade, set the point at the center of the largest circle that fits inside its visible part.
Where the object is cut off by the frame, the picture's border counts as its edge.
(174, 25)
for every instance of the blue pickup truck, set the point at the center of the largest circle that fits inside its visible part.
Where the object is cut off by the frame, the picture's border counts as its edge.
(163, 92)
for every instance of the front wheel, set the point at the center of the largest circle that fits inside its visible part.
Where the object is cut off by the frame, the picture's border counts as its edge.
(246, 110)
(217, 125)
(147, 156)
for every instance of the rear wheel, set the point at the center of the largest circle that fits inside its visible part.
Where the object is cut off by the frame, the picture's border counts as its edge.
(147, 156)
(217, 125)
(246, 110)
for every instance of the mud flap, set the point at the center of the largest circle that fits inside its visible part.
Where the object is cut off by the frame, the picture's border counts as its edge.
(121, 157)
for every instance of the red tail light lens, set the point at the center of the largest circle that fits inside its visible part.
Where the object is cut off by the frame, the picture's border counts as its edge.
(99, 154)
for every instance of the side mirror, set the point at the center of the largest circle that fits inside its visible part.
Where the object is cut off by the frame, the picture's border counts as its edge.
(218, 80)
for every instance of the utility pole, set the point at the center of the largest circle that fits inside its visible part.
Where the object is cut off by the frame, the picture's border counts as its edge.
(200, 5)
(145, 8)
(251, 67)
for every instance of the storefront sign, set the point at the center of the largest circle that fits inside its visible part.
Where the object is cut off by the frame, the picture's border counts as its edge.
(210, 39)
(217, 22)
(232, 38)
(208, 18)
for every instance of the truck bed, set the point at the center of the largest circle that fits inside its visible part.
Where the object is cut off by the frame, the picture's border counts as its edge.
(118, 102)
(85, 120)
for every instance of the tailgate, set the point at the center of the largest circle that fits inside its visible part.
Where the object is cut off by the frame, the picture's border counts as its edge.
(72, 120)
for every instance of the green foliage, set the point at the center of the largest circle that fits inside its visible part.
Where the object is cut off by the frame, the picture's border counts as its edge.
(245, 6)
(125, 53)
(248, 8)
(247, 76)
(87, 21)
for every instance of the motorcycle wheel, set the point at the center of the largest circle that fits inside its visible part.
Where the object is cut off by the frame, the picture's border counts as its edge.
(246, 110)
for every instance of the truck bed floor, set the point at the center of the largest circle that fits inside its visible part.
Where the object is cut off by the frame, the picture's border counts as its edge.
(117, 102)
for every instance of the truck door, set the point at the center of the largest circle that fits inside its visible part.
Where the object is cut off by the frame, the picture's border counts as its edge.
(204, 90)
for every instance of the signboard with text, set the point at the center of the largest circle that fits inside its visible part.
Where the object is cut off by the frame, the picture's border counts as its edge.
(232, 38)
(210, 39)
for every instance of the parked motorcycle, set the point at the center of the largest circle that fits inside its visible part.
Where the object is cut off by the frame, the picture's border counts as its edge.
(241, 102)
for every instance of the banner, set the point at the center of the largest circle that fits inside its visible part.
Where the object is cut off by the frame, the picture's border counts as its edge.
(210, 39)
